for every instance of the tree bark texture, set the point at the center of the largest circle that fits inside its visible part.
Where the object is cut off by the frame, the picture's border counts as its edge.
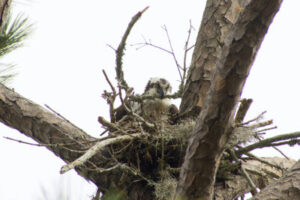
(232, 59)
(4, 10)
(287, 187)
(68, 142)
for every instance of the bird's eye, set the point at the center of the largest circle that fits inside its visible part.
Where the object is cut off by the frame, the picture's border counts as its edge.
(163, 81)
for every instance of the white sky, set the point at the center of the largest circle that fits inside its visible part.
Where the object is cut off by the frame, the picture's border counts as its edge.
(62, 61)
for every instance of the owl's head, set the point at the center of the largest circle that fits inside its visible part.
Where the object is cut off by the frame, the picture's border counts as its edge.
(158, 86)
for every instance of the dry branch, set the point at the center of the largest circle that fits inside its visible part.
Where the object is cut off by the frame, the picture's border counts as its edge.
(95, 149)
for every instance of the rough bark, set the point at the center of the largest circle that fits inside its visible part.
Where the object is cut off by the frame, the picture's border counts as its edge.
(287, 187)
(218, 19)
(4, 9)
(68, 142)
(261, 174)
(232, 64)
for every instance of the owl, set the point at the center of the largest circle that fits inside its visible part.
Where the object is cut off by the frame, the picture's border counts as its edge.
(156, 109)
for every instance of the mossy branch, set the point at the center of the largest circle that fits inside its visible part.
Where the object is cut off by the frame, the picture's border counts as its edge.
(268, 142)
(121, 49)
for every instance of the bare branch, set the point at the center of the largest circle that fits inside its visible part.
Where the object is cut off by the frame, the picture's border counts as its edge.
(173, 53)
(109, 125)
(243, 108)
(260, 116)
(131, 112)
(111, 98)
(95, 149)
(29, 143)
(186, 50)
(244, 172)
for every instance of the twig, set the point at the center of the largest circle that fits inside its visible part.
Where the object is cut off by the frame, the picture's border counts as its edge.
(173, 53)
(141, 98)
(148, 43)
(243, 108)
(29, 143)
(250, 155)
(266, 129)
(255, 119)
(62, 117)
(44, 145)
(111, 126)
(186, 50)
(261, 124)
(267, 142)
(95, 149)
(131, 112)
(277, 149)
(111, 98)
(105, 131)
(121, 48)
(244, 172)
(109, 82)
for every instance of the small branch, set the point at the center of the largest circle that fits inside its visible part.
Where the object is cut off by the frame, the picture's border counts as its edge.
(266, 129)
(95, 149)
(250, 155)
(141, 98)
(242, 111)
(173, 53)
(121, 49)
(244, 172)
(268, 142)
(29, 143)
(255, 119)
(111, 126)
(186, 50)
(111, 98)
(148, 43)
(261, 124)
(131, 112)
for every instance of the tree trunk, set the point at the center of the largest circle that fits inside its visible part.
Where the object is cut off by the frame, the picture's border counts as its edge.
(234, 51)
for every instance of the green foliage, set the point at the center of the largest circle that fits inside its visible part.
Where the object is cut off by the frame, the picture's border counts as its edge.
(12, 35)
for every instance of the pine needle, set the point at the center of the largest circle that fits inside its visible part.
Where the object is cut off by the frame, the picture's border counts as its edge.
(11, 37)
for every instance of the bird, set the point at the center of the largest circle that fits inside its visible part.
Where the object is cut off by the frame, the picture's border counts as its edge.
(157, 107)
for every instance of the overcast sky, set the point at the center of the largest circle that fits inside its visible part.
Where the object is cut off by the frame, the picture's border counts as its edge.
(62, 61)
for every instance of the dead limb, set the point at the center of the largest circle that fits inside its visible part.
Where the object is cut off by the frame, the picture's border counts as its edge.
(110, 98)
(242, 111)
(93, 150)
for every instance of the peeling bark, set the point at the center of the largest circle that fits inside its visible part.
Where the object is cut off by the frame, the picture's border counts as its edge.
(232, 65)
